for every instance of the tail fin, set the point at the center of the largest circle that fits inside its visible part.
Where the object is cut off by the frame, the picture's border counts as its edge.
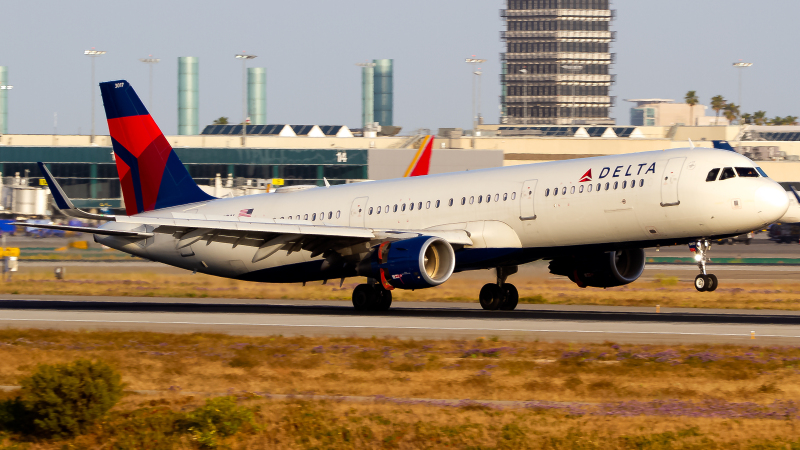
(150, 172)
(422, 160)
(723, 145)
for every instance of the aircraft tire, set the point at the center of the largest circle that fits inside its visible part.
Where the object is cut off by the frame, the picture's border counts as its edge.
(713, 283)
(701, 283)
(383, 299)
(491, 296)
(363, 297)
(510, 297)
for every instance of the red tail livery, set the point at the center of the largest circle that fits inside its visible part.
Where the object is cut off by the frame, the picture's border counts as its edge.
(422, 160)
(151, 175)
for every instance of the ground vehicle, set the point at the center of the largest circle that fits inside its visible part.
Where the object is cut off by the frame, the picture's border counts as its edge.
(784, 232)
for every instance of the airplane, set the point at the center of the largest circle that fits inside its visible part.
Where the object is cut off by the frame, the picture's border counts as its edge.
(591, 218)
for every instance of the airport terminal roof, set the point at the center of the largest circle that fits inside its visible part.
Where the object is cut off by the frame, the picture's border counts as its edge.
(280, 130)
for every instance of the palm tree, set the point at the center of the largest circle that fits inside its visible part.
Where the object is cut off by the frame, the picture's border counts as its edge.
(717, 103)
(777, 120)
(731, 112)
(760, 117)
(691, 100)
(747, 118)
(790, 120)
(221, 121)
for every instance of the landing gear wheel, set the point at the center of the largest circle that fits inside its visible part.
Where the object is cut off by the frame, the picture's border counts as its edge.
(363, 297)
(712, 282)
(702, 282)
(491, 296)
(510, 297)
(383, 298)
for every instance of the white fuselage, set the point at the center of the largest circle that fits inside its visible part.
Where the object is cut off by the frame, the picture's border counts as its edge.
(641, 199)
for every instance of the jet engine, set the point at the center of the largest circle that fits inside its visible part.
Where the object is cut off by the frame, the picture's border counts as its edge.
(415, 263)
(606, 269)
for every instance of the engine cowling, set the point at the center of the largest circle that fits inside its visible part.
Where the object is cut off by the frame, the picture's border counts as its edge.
(416, 263)
(607, 269)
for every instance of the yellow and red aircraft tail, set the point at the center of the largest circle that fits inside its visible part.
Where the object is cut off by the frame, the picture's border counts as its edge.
(422, 160)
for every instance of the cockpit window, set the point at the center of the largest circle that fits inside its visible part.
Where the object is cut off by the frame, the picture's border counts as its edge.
(727, 173)
(747, 172)
(761, 171)
(712, 175)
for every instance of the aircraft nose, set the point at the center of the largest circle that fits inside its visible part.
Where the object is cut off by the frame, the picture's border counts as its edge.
(771, 202)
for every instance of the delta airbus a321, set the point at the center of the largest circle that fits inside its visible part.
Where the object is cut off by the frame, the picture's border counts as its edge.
(590, 217)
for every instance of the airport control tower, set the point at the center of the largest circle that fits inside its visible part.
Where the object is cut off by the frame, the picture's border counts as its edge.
(557, 65)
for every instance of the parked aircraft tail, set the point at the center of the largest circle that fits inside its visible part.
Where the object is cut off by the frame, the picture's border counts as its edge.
(151, 175)
(723, 145)
(422, 160)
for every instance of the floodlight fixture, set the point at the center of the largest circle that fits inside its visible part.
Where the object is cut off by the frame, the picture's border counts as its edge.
(94, 53)
(245, 119)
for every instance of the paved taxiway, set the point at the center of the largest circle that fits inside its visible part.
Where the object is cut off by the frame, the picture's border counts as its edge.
(405, 320)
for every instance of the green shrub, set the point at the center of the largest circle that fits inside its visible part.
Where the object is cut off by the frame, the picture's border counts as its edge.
(221, 417)
(63, 400)
(146, 429)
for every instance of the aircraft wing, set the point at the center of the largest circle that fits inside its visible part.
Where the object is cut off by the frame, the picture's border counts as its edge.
(102, 231)
(63, 202)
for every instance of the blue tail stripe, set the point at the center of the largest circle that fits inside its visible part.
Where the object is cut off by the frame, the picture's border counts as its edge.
(133, 164)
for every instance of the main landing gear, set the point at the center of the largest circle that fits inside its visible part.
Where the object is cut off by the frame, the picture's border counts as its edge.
(705, 282)
(371, 297)
(500, 295)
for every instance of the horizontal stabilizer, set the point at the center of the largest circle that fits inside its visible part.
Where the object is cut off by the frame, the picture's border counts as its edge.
(63, 202)
(101, 231)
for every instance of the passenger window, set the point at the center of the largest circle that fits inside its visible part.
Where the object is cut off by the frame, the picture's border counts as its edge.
(386, 210)
(497, 197)
(403, 207)
(616, 183)
(472, 200)
(322, 215)
(712, 174)
(428, 204)
(505, 196)
(488, 198)
(437, 203)
(480, 197)
(589, 188)
(555, 192)
(606, 186)
(513, 195)
(547, 192)
(314, 217)
(633, 184)
(370, 210)
(727, 173)
(394, 209)
(598, 186)
(281, 218)
(379, 210)
(410, 207)
(624, 184)
(746, 172)
(572, 190)
(580, 191)
(450, 202)
(641, 182)
(330, 214)
(305, 217)
(297, 218)
(338, 214)
(463, 201)
(564, 190)
(419, 205)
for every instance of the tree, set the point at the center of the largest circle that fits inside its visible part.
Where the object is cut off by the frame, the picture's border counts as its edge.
(717, 103)
(790, 120)
(731, 112)
(691, 100)
(760, 117)
(747, 118)
(221, 121)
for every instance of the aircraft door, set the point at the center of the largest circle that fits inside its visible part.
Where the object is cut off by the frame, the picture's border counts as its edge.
(527, 209)
(358, 212)
(669, 182)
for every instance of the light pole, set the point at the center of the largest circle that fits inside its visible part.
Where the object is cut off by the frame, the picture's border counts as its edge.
(474, 60)
(524, 71)
(150, 61)
(741, 65)
(573, 68)
(244, 59)
(93, 54)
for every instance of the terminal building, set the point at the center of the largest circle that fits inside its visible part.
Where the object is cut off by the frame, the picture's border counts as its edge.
(556, 69)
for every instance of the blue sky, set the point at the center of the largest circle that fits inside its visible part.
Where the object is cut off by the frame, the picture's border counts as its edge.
(310, 49)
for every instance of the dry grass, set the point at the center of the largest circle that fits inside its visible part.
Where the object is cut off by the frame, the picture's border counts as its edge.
(664, 291)
(482, 369)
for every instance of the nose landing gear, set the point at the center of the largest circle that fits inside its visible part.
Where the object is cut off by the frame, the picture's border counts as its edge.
(705, 282)
(503, 296)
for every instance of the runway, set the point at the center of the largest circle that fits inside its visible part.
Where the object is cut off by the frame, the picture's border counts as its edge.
(405, 320)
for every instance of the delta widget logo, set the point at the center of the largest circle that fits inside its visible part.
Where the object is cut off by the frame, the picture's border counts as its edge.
(587, 176)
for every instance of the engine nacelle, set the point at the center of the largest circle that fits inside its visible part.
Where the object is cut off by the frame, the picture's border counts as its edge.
(608, 269)
(416, 263)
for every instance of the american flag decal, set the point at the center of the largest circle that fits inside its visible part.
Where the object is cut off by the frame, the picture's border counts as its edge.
(246, 212)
